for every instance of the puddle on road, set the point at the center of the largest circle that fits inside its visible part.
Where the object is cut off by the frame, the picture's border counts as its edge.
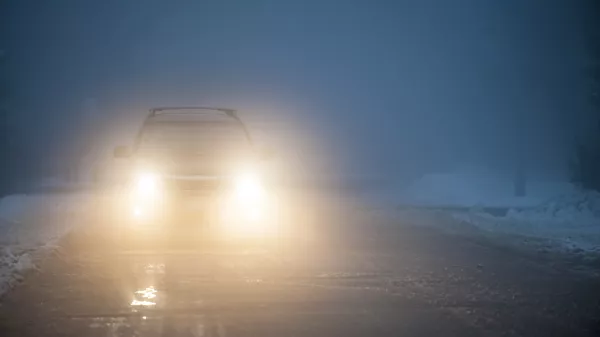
(154, 268)
(171, 295)
(156, 300)
(144, 297)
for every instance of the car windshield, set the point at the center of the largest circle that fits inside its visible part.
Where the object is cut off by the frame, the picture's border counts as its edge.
(192, 138)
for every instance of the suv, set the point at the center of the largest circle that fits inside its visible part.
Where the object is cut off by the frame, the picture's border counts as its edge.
(193, 174)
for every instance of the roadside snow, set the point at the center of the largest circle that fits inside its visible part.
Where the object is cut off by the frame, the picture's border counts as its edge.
(571, 221)
(553, 212)
(29, 225)
(476, 188)
(579, 208)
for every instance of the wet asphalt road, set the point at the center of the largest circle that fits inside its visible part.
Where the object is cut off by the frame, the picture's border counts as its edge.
(368, 276)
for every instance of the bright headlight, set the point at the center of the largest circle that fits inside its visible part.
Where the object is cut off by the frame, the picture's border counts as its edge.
(248, 188)
(146, 184)
(247, 209)
(248, 198)
(144, 193)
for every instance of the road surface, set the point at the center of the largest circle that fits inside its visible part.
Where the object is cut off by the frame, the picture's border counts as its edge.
(361, 275)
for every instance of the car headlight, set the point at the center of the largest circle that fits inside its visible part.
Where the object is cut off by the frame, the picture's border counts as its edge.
(245, 208)
(248, 188)
(144, 193)
(146, 184)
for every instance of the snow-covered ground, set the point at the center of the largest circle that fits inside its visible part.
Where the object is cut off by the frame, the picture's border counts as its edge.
(477, 188)
(463, 188)
(570, 221)
(556, 212)
(30, 225)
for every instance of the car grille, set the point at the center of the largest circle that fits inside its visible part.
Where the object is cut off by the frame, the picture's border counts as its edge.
(193, 185)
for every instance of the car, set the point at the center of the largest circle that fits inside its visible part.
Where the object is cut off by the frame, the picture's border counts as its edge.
(193, 179)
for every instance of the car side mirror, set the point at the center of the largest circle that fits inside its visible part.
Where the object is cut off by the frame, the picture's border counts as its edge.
(121, 152)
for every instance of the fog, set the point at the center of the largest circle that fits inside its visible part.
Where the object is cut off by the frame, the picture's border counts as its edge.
(392, 88)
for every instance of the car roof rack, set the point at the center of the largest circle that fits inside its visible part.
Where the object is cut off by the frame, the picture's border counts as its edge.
(181, 110)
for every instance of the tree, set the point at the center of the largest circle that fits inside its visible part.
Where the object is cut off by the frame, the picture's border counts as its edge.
(585, 168)
(8, 153)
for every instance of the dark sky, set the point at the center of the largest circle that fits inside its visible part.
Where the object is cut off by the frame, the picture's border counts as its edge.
(392, 87)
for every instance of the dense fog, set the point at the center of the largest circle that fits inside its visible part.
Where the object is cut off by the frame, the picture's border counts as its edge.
(396, 88)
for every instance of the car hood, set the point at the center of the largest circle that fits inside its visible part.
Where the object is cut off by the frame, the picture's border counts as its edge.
(195, 165)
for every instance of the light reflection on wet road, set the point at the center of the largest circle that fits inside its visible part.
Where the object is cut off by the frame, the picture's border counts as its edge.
(183, 295)
(367, 279)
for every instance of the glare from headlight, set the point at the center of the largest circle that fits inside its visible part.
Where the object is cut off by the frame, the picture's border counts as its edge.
(146, 183)
(137, 212)
(145, 192)
(248, 188)
(246, 211)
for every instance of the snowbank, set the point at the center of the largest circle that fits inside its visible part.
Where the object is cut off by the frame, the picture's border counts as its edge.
(580, 208)
(477, 189)
(570, 221)
(31, 223)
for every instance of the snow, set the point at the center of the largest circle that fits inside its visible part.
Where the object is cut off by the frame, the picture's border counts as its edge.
(31, 225)
(569, 221)
(478, 188)
(462, 188)
(554, 211)
(578, 208)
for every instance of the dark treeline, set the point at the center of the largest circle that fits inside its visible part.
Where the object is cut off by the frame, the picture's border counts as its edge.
(586, 165)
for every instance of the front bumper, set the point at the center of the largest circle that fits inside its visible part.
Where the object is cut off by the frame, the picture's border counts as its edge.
(200, 216)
